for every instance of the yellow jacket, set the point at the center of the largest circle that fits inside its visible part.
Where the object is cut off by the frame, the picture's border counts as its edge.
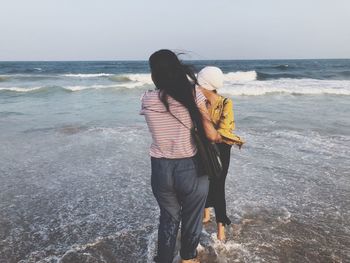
(221, 113)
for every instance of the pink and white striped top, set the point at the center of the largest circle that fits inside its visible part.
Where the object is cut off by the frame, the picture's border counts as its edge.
(170, 138)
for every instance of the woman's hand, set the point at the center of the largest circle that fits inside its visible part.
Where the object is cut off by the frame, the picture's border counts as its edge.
(209, 129)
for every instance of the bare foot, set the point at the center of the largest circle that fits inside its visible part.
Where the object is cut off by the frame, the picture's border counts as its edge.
(194, 260)
(221, 232)
(206, 217)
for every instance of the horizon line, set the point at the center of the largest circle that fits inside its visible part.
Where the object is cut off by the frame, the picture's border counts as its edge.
(145, 60)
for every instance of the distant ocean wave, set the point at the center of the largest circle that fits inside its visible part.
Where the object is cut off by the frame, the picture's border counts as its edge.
(288, 86)
(241, 76)
(84, 75)
(245, 76)
(27, 77)
(260, 91)
(3, 78)
(69, 88)
(25, 71)
(138, 77)
(231, 87)
(144, 79)
(263, 76)
(119, 78)
(268, 76)
(278, 72)
(283, 67)
(101, 87)
(256, 78)
(20, 89)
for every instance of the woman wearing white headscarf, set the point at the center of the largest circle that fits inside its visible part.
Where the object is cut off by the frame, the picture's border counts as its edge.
(210, 79)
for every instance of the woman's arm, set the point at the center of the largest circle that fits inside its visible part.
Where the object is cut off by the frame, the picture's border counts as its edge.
(227, 120)
(226, 125)
(209, 129)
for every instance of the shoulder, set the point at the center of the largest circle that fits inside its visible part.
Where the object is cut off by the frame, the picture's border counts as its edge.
(227, 102)
(149, 96)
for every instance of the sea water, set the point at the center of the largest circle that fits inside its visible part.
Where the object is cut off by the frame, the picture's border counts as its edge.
(75, 170)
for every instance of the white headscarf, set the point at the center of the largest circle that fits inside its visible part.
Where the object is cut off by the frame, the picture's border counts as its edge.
(210, 78)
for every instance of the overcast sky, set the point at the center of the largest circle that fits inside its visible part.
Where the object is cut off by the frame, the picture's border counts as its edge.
(207, 29)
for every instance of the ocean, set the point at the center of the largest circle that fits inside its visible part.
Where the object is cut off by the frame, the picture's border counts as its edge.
(75, 170)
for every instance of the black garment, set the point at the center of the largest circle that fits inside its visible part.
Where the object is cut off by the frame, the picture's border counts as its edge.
(216, 195)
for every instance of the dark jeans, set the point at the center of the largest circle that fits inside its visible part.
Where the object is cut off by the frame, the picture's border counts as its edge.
(216, 195)
(181, 196)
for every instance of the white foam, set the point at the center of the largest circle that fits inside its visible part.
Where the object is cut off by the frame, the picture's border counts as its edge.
(136, 80)
(144, 79)
(80, 88)
(18, 89)
(87, 75)
(288, 86)
(116, 86)
(224, 250)
(236, 84)
(151, 245)
(131, 85)
(241, 76)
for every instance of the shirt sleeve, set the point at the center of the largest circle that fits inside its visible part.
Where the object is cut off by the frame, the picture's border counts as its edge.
(227, 124)
(200, 98)
(142, 99)
(227, 121)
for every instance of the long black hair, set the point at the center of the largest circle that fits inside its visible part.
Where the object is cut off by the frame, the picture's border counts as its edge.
(177, 80)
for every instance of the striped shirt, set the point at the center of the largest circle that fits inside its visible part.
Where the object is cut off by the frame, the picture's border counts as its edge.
(170, 138)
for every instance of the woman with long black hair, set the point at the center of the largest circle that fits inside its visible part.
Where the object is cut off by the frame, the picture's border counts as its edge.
(179, 188)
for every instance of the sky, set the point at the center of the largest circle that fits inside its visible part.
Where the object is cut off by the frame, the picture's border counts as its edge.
(207, 29)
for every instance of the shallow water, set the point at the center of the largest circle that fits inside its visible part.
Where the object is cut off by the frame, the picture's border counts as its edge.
(75, 179)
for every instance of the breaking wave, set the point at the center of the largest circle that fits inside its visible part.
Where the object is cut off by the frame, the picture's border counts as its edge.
(69, 88)
(3, 78)
(98, 87)
(241, 76)
(288, 86)
(95, 75)
(269, 76)
(282, 72)
(282, 67)
(19, 89)
(251, 91)
(144, 79)
(245, 76)
(237, 83)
